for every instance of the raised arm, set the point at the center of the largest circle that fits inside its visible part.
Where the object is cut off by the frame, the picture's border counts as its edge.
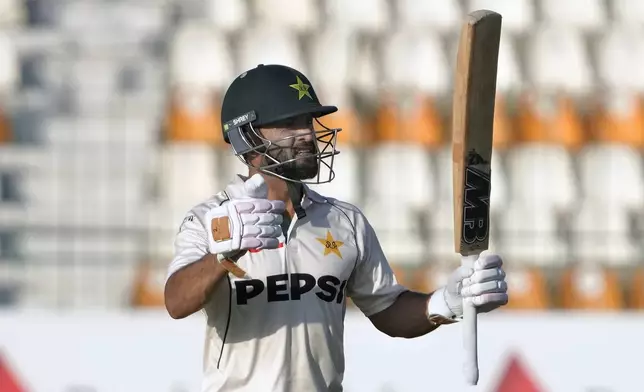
(193, 273)
(229, 229)
(399, 312)
(188, 290)
(416, 314)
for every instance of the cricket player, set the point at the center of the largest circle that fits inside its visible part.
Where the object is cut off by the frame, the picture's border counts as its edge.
(271, 262)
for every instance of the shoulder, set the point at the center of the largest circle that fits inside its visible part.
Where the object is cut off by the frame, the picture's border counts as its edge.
(349, 212)
(345, 207)
(331, 201)
(196, 216)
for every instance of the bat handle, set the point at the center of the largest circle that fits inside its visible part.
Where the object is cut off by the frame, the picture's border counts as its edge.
(469, 325)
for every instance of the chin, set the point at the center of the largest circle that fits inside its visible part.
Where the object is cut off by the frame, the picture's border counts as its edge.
(299, 170)
(305, 173)
(308, 168)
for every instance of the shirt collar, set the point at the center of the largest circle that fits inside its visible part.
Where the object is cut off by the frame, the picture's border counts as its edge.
(311, 196)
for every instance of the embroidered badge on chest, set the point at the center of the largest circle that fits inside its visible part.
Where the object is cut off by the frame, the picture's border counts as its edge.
(331, 245)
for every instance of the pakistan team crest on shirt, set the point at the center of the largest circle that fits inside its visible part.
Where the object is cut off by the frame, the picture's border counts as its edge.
(331, 245)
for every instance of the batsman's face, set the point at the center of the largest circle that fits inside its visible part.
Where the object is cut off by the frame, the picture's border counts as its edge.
(294, 145)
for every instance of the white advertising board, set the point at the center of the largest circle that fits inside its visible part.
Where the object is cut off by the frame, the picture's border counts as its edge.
(148, 351)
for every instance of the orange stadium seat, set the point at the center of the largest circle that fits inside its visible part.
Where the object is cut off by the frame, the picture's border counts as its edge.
(194, 116)
(5, 128)
(415, 121)
(386, 123)
(527, 290)
(349, 120)
(409, 276)
(423, 122)
(591, 288)
(637, 290)
(146, 294)
(620, 120)
(503, 127)
(9, 69)
(433, 276)
(200, 69)
(550, 120)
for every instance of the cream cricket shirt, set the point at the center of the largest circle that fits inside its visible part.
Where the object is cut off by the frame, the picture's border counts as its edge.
(281, 330)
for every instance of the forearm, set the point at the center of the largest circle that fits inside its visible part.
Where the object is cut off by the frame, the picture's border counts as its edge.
(188, 289)
(406, 318)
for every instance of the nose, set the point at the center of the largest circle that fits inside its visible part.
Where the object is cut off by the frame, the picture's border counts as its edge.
(305, 135)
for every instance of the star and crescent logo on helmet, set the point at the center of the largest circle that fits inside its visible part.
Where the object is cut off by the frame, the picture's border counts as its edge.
(302, 91)
(302, 88)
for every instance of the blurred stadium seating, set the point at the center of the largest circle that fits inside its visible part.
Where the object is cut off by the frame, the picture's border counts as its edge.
(109, 132)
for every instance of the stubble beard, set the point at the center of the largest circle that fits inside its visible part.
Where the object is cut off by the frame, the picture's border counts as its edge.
(304, 164)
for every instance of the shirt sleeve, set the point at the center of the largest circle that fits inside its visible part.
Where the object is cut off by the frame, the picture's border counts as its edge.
(190, 244)
(372, 286)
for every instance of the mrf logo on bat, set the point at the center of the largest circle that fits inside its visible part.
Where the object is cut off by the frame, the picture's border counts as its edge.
(476, 206)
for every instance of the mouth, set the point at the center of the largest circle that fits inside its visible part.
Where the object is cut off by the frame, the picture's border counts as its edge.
(304, 153)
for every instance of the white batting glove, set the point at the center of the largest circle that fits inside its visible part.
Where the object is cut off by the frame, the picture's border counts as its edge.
(484, 286)
(249, 221)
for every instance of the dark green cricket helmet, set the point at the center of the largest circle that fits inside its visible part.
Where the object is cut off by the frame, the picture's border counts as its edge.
(266, 95)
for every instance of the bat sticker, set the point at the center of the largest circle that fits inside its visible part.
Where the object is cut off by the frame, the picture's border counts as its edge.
(476, 209)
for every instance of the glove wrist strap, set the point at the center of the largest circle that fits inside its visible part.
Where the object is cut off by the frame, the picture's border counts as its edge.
(438, 313)
(228, 261)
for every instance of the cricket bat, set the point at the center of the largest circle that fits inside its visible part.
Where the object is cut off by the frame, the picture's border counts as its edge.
(472, 130)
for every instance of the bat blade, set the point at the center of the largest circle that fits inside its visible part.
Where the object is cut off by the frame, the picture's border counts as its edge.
(472, 129)
(472, 136)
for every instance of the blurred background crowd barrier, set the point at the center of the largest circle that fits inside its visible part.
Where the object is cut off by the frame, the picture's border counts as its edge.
(109, 133)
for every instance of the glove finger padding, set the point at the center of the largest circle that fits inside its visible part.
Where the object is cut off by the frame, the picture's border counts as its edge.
(261, 219)
(456, 279)
(488, 261)
(249, 206)
(236, 220)
(268, 243)
(261, 231)
(259, 243)
(276, 207)
(484, 288)
(461, 274)
(250, 243)
(487, 302)
(486, 275)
